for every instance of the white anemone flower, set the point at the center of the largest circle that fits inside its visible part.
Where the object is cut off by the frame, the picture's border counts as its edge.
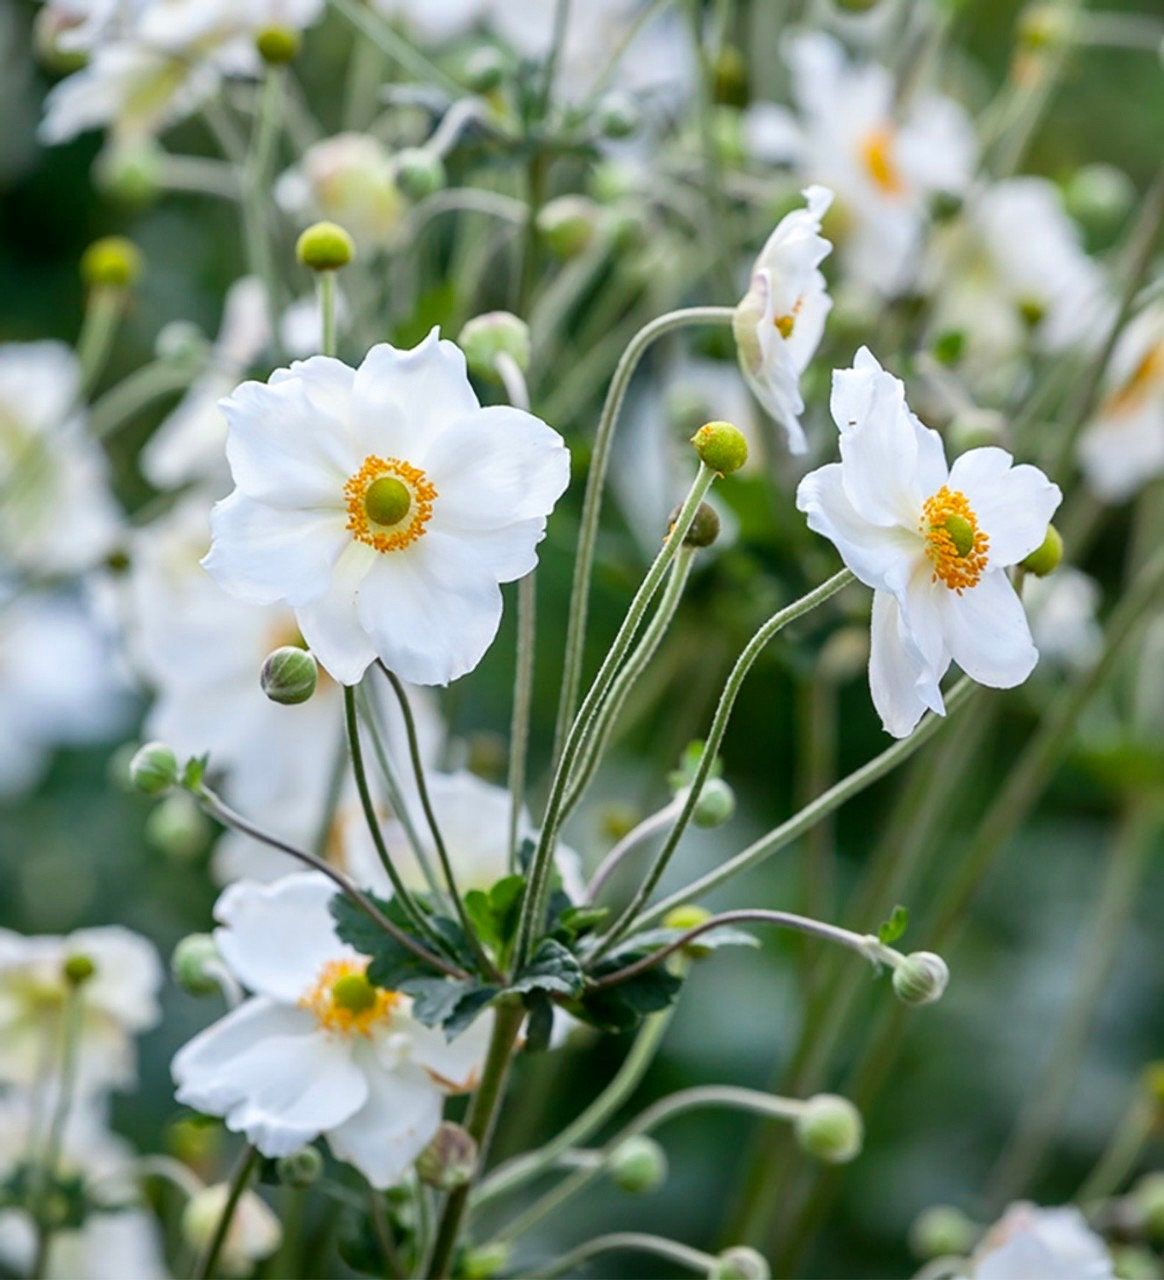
(1123, 448)
(48, 465)
(1029, 1243)
(182, 26)
(385, 506)
(59, 685)
(933, 541)
(780, 320)
(883, 161)
(317, 1050)
(117, 1002)
(190, 444)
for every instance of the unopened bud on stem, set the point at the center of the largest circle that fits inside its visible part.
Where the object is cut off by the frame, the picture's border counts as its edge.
(920, 978)
(740, 1263)
(154, 768)
(325, 246)
(721, 446)
(830, 1128)
(638, 1165)
(288, 675)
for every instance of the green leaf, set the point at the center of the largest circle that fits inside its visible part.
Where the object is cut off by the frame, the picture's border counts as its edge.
(391, 964)
(540, 1023)
(467, 1009)
(684, 775)
(623, 1007)
(194, 772)
(894, 927)
(552, 967)
(436, 999)
(579, 920)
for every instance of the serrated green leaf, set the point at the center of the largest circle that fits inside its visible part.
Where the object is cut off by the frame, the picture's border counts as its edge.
(894, 927)
(623, 1007)
(579, 920)
(467, 1010)
(436, 999)
(552, 967)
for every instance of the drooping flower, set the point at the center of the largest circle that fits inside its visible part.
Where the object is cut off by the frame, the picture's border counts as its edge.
(57, 514)
(1030, 1243)
(884, 162)
(385, 506)
(933, 541)
(317, 1050)
(1123, 448)
(780, 320)
(118, 1001)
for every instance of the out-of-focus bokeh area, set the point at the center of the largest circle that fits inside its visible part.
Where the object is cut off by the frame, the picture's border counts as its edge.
(78, 849)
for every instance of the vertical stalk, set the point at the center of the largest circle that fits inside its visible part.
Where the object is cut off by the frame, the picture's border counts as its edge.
(247, 1161)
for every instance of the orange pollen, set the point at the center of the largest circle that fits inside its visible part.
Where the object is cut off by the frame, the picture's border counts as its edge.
(876, 150)
(785, 324)
(352, 1017)
(388, 537)
(947, 521)
(1132, 393)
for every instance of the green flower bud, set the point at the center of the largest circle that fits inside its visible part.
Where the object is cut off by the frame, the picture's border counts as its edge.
(300, 1169)
(288, 676)
(567, 224)
(1147, 1199)
(830, 1129)
(716, 804)
(721, 447)
(949, 347)
(450, 1159)
(278, 45)
(325, 246)
(920, 978)
(618, 115)
(484, 1261)
(741, 1262)
(112, 262)
(78, 969)
(1048, 556)
(1100, 196)
(419, 172)
(729, 83)
(195, 1140)
(487, 336)
(704, 528)
(130, 171)
(484, 69)
(638, 1165)
(942, 1232)
(193, 964)
(154, 768)
(178, 828)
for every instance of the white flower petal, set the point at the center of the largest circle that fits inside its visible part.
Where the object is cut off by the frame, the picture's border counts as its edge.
(1013, 504)
(265, 554)
(277, 937)
(397, 1121)
(455, 1064)
(987, 632)
(902, 684)
(331, 624)
(272, 1074)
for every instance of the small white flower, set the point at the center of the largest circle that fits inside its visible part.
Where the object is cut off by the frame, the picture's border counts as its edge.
(933, 541)
(59, 685)
(57, 514)
(1062, 609)
(385, 506)
(1123, 448)
(848, 133)
(317, 1050)
(779, 322)
(190, 443)
(186, 26)
(118, 1002)
(1030, 1243)
(254, 1232)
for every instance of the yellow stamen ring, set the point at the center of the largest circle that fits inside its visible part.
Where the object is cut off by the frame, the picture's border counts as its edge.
(876, 150)
(955, 545)
(343, 1000)
(389, 502)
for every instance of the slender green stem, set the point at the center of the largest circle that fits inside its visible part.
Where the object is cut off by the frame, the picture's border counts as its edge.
(517, 1172)
(327, 311)
(645, 14)
(622, 1242)
(592, 501)
(794, 827)
(406, 56)
(533, 905)
(527, 613)
(433, 825)
(122, 402)
(257, 196)
(723, 711)
(247, 1161)
(508, 1016)
(1137, 1125)
(650, 826)
(103, 312)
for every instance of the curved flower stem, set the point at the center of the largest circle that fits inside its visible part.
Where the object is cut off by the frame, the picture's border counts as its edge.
(865, 944)
(533, 904)
(634, 1241)
(751, 651)
(602, 727)
(403, 896)
(480, 1121)
(219, 809)
(740, 1099)
(592, 501)
(103, 312)
(645, 14)
(649, 826)
(120, 403)
(515, 1173)
(433, 826)
(795, 826)
(204, 1268)
(1136, 1126)
(406, 56)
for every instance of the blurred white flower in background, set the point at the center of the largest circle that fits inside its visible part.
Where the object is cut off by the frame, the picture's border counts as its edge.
(254, 1232)
(1123, 448)
(933, 541)
(884, 160)
(1062, 609)
(317, 1050)
(1029, 1243)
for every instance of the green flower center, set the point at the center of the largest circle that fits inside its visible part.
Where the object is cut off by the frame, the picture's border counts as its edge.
(961, 533)
(353, 993)
(387, 501)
